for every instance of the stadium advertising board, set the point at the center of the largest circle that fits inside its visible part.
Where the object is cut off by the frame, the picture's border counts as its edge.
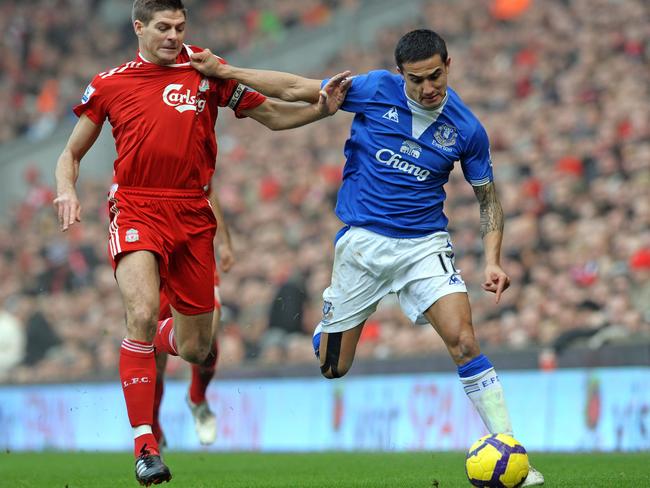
(568, 410)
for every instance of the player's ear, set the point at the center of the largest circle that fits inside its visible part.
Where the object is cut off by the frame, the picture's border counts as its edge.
(447, 63)
(399, 70)
(137, 27)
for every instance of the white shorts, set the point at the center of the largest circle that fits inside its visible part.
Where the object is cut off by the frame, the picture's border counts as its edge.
(369, 266)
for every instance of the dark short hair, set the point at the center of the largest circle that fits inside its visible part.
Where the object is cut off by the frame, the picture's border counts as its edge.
(144, 10)
(418, 45)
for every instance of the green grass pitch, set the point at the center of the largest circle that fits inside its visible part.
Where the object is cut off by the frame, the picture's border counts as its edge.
(318, 470)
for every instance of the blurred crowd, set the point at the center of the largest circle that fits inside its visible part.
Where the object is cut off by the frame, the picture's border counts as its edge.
(51, 48)
(562, 88)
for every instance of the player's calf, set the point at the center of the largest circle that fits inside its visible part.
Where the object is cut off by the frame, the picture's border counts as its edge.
(335, 350)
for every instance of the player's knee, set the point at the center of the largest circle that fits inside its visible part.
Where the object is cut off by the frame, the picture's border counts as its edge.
(194, 351)
(464, 346)
(333, 371)
(142, 320)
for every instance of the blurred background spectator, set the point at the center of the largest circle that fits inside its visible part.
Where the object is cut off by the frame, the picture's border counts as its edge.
(561, 86)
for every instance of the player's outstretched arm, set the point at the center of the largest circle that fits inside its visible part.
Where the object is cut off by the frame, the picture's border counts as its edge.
(280, 115)
(496, 279)
(276, 84)
(66, 202)
(226, 254)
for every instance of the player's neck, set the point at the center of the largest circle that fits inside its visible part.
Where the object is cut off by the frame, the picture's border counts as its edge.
(427, 109)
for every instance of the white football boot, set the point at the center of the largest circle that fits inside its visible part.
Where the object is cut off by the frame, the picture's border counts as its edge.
(534, 478)
(205, 421)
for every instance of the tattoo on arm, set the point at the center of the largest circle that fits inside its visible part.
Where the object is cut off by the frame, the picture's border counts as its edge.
(491, 211)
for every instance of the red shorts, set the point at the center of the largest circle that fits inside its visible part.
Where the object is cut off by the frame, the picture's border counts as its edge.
(165, 310)
(176, 225)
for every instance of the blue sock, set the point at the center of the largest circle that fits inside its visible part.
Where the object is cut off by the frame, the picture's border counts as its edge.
(476, 366)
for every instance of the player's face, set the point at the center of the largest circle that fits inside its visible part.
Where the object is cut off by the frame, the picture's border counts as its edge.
(426, 80)
(161, 39)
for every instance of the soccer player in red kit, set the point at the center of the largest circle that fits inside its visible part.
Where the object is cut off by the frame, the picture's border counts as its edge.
(205, 422)
(161, 228)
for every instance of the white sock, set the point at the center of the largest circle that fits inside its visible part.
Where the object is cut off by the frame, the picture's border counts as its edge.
(141, 430)
(486, 393)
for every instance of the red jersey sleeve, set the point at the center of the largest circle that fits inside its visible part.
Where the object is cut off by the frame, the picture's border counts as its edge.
(93, 102)
(236, 96)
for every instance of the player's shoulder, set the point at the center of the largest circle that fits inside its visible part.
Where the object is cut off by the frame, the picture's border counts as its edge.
(107, 81)
(118, 72)
(381, 82)
(383, 75)
(462, 113)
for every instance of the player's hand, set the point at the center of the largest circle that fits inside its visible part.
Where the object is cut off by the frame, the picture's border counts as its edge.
(226, 257)
(68, 209)
(207, 63)
(333, 93)
(496, 280)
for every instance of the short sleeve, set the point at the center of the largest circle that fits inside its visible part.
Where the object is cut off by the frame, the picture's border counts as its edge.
(476, 162)
(362, 90)
(93, 102)
(236, 96)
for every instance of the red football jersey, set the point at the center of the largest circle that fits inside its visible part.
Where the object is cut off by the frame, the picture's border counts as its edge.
(163, 120)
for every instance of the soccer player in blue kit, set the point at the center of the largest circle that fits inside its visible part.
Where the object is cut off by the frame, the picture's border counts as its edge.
(409, 130)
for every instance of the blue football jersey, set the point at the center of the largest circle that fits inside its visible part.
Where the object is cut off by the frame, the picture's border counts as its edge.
(399, 156)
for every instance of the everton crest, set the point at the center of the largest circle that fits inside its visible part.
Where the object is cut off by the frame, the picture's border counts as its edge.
(445, 135)
(328, 309)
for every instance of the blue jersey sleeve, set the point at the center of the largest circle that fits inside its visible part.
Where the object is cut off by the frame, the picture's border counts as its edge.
(476, 163)
(363, 89)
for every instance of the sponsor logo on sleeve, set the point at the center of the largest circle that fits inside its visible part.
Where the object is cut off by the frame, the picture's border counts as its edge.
(88, 93)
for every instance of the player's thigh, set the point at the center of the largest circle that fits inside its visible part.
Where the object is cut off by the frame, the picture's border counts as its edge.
(360, 279)
(190, 281)
(451, 317)
(139, 281)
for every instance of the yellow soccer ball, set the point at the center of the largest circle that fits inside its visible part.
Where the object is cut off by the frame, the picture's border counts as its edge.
(497, 460)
